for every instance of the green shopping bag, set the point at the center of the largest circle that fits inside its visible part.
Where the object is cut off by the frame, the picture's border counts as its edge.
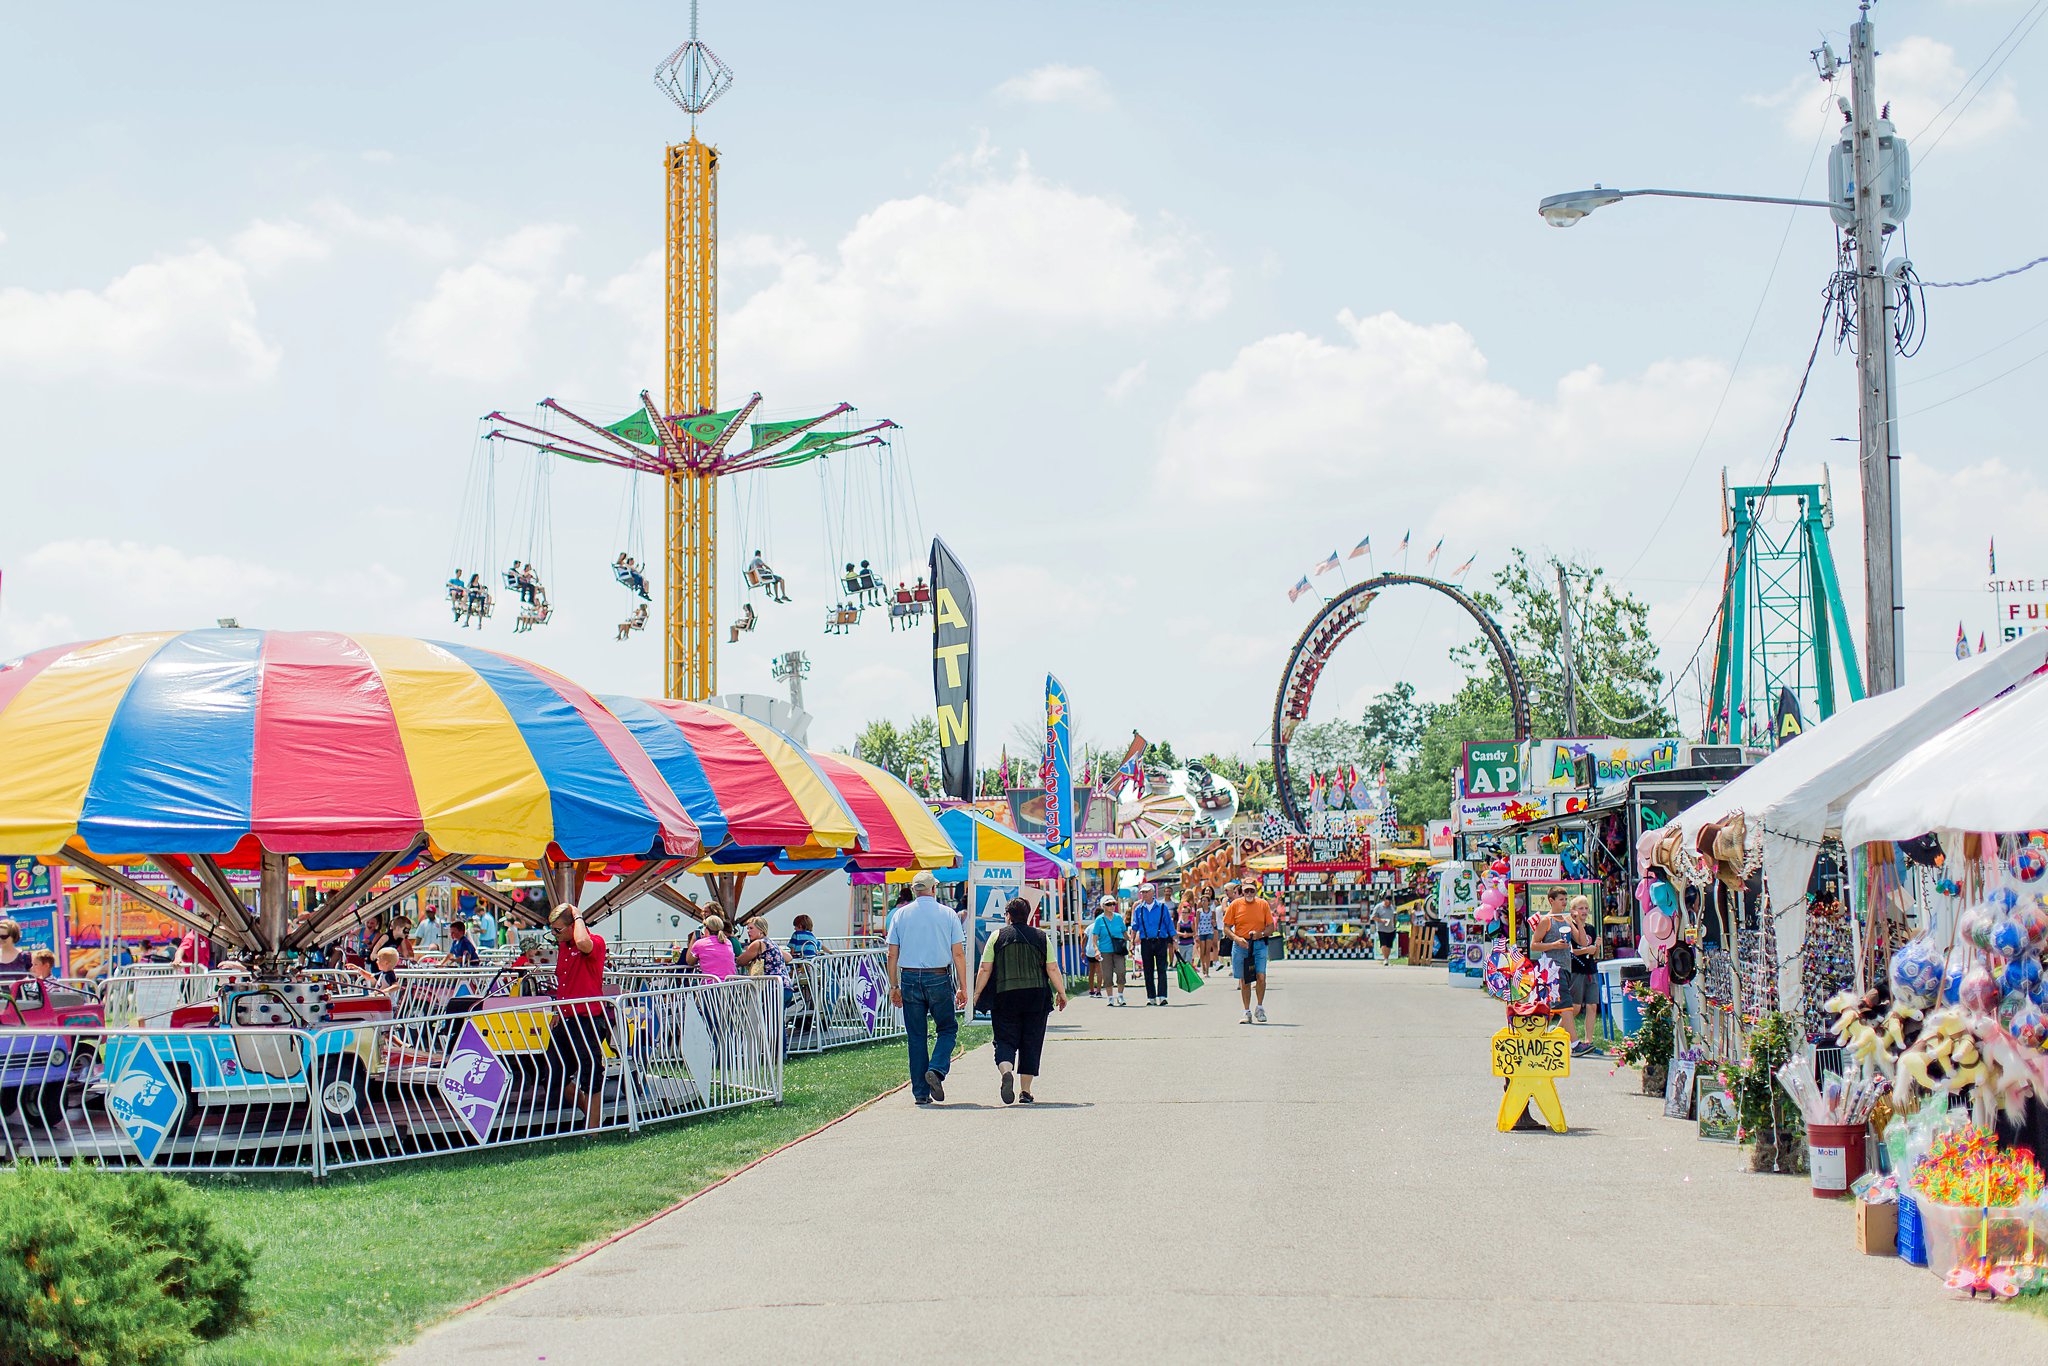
(1190, 977)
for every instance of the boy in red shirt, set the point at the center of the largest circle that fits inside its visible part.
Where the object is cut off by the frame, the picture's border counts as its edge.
(583, 1020)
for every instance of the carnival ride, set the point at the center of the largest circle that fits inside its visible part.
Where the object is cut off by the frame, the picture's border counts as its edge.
(1331, 626)
(691, 445)
(1781, 627)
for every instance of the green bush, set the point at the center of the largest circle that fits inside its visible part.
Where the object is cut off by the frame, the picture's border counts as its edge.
(105, 1270)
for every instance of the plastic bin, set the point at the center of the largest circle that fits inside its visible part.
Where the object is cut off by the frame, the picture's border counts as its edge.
(1912, 1236)
(1622, 1016)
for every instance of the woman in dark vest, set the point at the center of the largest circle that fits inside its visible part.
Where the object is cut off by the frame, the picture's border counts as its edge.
(1022, 983)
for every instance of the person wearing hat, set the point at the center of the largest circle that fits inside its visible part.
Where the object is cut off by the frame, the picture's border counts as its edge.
(927, 960)
(1248, 920)
(1107, 931)
(1152, 922)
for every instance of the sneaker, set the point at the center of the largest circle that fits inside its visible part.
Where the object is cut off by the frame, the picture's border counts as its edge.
(1247, 1018)
(1262, 1015)
(924, 1100)
(936, 1081)
(1580, 1050)
(1010, 1088)
(1027, 1099)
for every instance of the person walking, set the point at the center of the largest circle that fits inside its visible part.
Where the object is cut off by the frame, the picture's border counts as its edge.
(1385, 927)
(1248, 920)
(1205, 929)
(1581, 997)
(927, 960)
(1107, 931)
(1152, 922)
(1018, 962)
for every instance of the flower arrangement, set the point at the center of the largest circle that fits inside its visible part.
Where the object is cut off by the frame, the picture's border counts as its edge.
(1651, 1046)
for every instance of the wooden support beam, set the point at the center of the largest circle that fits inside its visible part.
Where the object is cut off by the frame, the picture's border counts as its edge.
(336, 906)
(790, 887)
(676, 901)
(216, 877)
(632, 885)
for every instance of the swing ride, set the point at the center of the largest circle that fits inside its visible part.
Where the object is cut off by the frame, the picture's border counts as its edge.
(692, 446)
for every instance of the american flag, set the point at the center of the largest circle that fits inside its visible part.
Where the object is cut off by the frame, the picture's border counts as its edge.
(1434, 551)
(1327, 565)
(1459, 572)
(1364, 547)
(1294, 593)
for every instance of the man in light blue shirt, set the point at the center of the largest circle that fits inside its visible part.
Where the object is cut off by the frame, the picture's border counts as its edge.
(486, 928)
(928, 979)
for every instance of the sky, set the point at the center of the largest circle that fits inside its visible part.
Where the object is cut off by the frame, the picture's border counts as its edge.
(1169, 301)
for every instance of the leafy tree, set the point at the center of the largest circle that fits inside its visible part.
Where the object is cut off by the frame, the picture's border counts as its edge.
(1615, 660)
(900, 749)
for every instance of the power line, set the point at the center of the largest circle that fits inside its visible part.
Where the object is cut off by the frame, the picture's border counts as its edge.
(1983, 279)
(1950, 369)
(1975, 387)
(2034, 14)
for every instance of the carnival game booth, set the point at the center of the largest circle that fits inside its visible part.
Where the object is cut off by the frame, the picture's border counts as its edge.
(1329, 883)
(401, 761)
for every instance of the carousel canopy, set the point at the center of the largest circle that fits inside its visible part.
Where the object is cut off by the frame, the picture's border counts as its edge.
(1982, 773)
(757, 795)
(902, 833)
(225, 742)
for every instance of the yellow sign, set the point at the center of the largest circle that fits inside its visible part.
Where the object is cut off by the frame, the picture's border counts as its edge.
(1531, 1057)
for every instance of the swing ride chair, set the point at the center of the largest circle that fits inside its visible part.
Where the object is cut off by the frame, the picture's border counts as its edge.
(470, 602)
(674, 446)
(907, 608)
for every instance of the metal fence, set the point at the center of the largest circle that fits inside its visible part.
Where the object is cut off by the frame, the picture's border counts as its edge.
(840, 998)
(148, 999)
(298, 1080)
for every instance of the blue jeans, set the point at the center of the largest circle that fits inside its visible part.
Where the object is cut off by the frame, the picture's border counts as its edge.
(928, 998)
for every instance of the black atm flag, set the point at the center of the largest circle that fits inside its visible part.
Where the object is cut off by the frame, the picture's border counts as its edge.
(953, 669)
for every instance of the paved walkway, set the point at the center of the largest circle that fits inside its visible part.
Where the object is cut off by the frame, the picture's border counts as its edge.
(1326, 1188)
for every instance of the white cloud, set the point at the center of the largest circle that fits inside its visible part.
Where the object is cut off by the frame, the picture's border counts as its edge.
(378, 156)
(187, 318)
(423, 239)
(1917, 76)
(1120, 388)
(1394, 404)
(1058, 83)
(266, 246)
(477, 323)
(1012, 248)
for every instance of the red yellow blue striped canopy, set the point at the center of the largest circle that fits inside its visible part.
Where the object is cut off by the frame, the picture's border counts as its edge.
(310, 742)
(902, 832)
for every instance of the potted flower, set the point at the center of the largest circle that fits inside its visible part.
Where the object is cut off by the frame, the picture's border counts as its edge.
(1650, 1046)
(1766, 1118)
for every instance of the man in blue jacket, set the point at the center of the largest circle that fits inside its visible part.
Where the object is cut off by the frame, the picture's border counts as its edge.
(1152, 923)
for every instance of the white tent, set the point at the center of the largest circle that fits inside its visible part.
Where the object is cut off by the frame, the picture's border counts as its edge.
(1989, 771)
(1797, 796)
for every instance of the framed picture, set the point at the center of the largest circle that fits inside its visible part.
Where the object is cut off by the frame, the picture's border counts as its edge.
(1678, 1089)
(1716, 1109)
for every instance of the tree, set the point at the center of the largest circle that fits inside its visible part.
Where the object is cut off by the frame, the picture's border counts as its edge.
(1615, 659)
(898, 750)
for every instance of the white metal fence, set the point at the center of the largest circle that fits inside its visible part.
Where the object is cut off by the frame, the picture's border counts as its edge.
(296, 1079)
(840, 998)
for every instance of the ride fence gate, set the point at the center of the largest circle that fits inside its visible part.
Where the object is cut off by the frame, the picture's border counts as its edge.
(840, 998)
(316, 1094)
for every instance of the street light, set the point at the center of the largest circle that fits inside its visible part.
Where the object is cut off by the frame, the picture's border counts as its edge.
(1563, 210)
(1870, 178)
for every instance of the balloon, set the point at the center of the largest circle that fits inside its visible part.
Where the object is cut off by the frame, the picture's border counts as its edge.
(1486, 914)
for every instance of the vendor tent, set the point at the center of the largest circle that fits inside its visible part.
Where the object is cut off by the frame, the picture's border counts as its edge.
(1982, 773)
(981, 840)
(1797, 796)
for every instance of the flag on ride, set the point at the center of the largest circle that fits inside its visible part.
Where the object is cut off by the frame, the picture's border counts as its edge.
(1327, 565)
(1980, 642)
(1127, 771)
(1294, 593)
(1402, 549)
(1459, 572)
(1962, 642)
(636, 427)
(1315, 791)
(1434, 551)
(1994, 554)
(1364, 547)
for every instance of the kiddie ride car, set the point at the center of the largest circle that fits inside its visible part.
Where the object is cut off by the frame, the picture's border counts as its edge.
(246, 1066)
(36, 1067)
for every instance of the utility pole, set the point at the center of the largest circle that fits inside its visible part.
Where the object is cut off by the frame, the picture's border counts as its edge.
(1564, 640)
(1877, 426)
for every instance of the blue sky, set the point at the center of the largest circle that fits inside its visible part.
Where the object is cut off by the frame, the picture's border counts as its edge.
(1170, 300)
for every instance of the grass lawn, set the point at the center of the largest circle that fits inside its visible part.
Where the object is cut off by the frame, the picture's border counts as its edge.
(349, 1268)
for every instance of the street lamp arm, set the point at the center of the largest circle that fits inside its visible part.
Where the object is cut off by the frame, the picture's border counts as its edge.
(1734, 198)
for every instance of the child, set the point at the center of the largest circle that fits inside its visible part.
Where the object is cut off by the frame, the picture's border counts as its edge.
(42, 964)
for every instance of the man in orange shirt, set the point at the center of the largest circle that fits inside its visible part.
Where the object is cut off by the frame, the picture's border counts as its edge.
(1248, 920)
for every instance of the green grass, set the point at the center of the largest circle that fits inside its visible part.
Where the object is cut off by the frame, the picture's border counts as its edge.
(349, 1268)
